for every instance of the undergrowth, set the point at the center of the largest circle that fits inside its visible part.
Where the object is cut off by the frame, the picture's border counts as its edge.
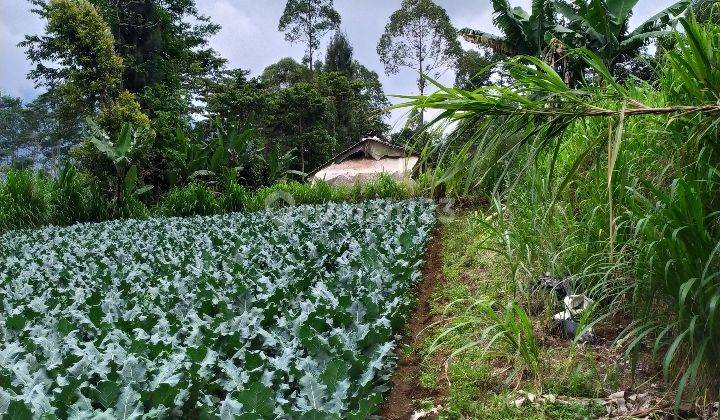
(484, 347)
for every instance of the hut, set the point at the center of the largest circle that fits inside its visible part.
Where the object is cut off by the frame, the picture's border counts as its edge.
(366, 160)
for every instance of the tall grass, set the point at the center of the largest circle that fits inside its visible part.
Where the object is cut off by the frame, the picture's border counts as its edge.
(24, 200)
(613, 184)
(30, 199)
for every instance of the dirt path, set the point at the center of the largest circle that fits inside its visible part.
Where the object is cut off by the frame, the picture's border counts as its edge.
(405, 380)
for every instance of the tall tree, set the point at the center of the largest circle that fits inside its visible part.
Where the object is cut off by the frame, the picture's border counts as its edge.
(419, 36)
(168, 65)
(299, 120)
(339, 55)
(86, 70)
(308, 21)
(11, 126)
(162, 42)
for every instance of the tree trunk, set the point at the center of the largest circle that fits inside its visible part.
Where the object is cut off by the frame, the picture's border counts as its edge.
(310, 36)
(421, 81)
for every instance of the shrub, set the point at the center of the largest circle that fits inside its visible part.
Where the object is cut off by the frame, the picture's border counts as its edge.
(190, 200)
(24, 200)
(75, 197)
(234, 198)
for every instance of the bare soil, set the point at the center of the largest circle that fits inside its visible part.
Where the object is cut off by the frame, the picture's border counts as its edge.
(405, 383)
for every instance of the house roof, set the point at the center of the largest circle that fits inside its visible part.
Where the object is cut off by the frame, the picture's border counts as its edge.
(369, 146)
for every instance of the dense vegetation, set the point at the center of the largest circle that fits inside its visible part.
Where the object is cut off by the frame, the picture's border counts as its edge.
(277, 313)
(613, 185)
(596, 159)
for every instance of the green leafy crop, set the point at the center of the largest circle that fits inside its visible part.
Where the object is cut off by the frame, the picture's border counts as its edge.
(285, 313)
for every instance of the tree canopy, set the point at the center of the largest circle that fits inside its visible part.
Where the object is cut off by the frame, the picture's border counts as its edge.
(308, 21)
(419, 36)
(339, 55)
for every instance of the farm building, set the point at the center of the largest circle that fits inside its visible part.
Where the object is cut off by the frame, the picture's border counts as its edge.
(366, 160)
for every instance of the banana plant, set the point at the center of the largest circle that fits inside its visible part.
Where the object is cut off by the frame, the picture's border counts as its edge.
(522, 32)
(602, 26)
(126, 175)
(211, 159)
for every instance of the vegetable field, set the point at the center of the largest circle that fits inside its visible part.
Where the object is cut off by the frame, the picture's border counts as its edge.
(282, 313)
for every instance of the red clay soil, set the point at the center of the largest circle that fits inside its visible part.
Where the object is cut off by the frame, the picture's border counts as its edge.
(405, 383)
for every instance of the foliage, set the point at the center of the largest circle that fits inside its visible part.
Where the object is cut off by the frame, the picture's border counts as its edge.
(300, 121)
(24, 200)
(706, 11)
(419, 36)
(303, 327)
(76, 198)
(474, 69)
(301, 113)
(164, 45)
(142, 63)
(523, 33)
(12, 124)
(167, 64)
(127, 181)
(228, 152)
(602, 26)
(576, 196)
(122, 110)
(79, 41)
(308, 21)
(285, 73)
(189, 200)
(339, 55)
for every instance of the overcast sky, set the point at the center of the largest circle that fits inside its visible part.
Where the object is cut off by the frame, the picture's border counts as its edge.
(249, 38)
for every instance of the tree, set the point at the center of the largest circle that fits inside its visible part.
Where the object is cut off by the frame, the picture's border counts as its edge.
(373, 104)
(419, 36)
(156, 50)
(339, 55)
(299, 117)
(365, 93)
(308, 21)
(602, 26)
(528, 34)
(11, 126)
(285, 73)
(235, 98)
(87, 71)
(163, 43)
(168, 64)
(474, 69)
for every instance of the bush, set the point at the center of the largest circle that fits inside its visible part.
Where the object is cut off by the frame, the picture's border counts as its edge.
(75, 197)
(24, 200)
(190, 200)
(234, 198)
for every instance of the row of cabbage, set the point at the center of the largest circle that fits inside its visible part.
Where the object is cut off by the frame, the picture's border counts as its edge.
(284, 313)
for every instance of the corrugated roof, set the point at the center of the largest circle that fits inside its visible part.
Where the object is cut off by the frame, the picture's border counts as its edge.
(355, 148)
